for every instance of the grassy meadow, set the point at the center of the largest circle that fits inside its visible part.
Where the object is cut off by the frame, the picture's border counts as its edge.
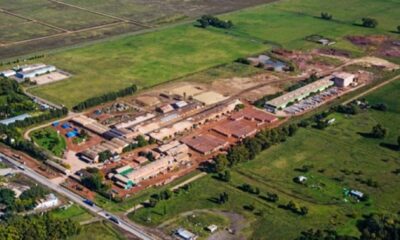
(145, 60)
(338, 157)
(49, 139)
(177, 51)
(99, 231)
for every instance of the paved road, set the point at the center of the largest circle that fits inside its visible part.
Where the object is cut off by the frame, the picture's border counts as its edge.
(129, 227)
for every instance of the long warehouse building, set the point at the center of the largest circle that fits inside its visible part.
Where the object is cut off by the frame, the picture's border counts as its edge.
(298, 94)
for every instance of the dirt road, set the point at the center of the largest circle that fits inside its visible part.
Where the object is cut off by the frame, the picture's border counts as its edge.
(371, 89)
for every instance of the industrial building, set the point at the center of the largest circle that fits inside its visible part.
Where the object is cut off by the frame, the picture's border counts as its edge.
(34, 70)
(14, 119)
(298, 94)
(58, 167)
(343, 79)
(255, 115)
(152, 169)
(115, 146)
(90, 124)
(215, 112)
(167, 133)
(205, 144)
(135, 121)
(239, 129)
(7, 73)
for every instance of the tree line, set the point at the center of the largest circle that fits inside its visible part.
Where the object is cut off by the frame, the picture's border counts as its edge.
(371, 227)
(111, 96)
(249, 148)
(208, 20)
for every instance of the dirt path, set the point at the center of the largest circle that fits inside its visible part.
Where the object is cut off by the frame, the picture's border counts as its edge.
(372, 89)
(200, 175)
(33, 20)
(102, 14)
(61, 34)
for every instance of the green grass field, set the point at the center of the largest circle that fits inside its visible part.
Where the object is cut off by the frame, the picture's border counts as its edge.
(175, 52)
(145, 60)
(50, 140)
(75, 213)
(98, 231)
(339, 156)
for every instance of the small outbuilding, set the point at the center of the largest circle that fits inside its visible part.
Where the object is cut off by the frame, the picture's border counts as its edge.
(184, 234)
(212, 228)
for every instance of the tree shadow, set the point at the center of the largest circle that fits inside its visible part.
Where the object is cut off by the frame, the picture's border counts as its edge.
(366, 135)
(390, 146)
(213, 200)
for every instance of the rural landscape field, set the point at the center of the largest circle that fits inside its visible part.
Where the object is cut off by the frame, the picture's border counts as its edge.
(154, 58)
(185, 120)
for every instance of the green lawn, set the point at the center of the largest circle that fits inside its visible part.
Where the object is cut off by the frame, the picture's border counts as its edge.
(340, 158)
(74, 212)
(49, 139)
(98, 231)
(178, 51)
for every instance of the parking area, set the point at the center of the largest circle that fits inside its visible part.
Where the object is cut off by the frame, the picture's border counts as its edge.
(314, 101)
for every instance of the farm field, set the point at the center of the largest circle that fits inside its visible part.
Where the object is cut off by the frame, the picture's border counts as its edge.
(38, 25)
(145, 60)
(287, 23)
(158, 57)
(335, 159)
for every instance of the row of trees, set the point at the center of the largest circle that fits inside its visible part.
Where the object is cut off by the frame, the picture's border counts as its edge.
(365, 22)
(371, 227)
(51, 114)
(208, 20)
(251, 147)
(35, 227)
(295, 208)
(91, 102)
(14, 101)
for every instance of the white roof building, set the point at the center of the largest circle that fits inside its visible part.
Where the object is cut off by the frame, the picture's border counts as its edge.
(7, 73)
(343, 79)
(185, 234)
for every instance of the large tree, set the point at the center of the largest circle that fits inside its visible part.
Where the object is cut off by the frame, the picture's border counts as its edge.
(7, 197)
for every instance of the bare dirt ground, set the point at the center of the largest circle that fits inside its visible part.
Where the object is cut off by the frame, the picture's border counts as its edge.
(378, 44)
(237, 223)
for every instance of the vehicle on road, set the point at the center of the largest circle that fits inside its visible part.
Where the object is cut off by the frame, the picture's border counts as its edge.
(88, 202)
(113, 219)
(21, 167)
